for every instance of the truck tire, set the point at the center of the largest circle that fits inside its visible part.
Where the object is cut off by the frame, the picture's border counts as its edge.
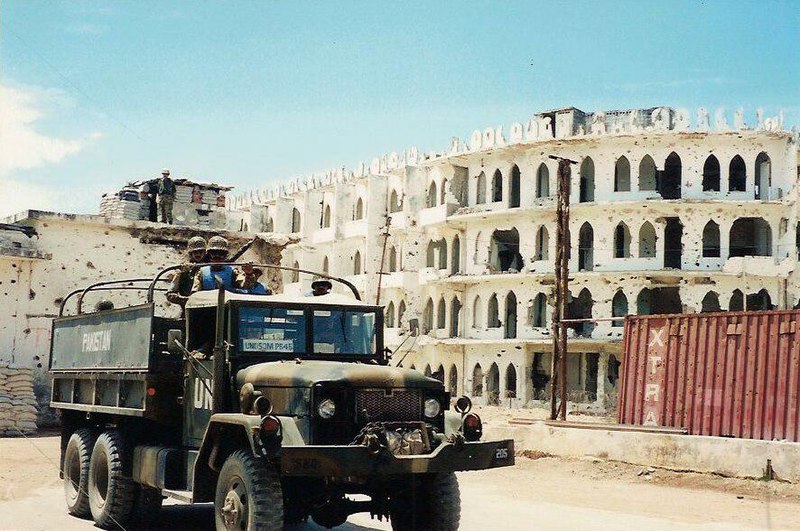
(111, 494)
(249, 495)
(76, 472)
(430, 502)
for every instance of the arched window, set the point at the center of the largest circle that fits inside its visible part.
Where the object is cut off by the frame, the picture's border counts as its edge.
(750, 237)
(511, 381)
(711, 174)
(452, 380)
(670, 185)
(357, 263)
(326, 217)
(586, 248)
(586, 192)
(325, 265)
(644, 302)
(619, 308)
(401, 312)
(622, 241)
(538, 317)
(736, 303)
(542, 244)
(392, 259)
(441, 314)
(647, 241)
(455, 313)
(580, 307)
(296, 221)
(647, 174)
(430, 254)
(622, 175)
(497, 186)
(760, 301)
(737, 175)
(504, 250)
(431, 201)
(390, 315)
(428, 371)
(711, 240)
(359, 212)
(480, 189)
(427, 317)
(511, 316)
(439, 373)
(493, 313)
(477, 380)
(542, 181)
(477, 312)
(394, 202)
(455, 259)
(493, 385)
(296, 274)
(710, 303)
(442, 248)
(513, 196)
(763, 176)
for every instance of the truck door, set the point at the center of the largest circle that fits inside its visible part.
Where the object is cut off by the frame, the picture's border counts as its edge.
(197, 402)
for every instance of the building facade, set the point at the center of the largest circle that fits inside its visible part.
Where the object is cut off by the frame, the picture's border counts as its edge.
(668, 214)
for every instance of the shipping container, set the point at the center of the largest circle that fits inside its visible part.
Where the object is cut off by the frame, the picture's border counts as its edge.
(730, 374)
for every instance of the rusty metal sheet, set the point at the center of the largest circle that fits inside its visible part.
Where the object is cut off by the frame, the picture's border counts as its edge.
(729, 374)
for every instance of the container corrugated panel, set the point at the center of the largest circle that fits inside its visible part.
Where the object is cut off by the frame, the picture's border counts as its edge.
(731, 374)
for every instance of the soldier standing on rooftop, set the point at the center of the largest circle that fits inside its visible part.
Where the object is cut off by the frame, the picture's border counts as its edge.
(166, 195)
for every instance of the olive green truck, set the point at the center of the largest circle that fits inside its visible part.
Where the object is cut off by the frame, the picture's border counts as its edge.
(274, 408)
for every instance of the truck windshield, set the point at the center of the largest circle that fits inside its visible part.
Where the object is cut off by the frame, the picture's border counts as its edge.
(270, 329)
(344, 332)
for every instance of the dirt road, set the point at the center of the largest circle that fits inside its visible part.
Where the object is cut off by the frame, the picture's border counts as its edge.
(543, 493)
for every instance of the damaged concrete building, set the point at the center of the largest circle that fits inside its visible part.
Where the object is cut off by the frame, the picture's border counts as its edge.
(669, 214)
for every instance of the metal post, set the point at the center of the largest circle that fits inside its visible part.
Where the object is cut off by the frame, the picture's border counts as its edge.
(218, 396)
(383, 257)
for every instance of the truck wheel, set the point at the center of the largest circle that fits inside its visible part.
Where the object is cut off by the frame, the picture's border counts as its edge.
(431, 502)
(111, 494)
(249, 496)
(76, 472)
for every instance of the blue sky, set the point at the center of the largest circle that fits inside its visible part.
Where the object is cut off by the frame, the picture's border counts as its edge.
(250, 93)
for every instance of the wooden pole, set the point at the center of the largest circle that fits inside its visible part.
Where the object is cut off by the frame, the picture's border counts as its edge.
(383, 257)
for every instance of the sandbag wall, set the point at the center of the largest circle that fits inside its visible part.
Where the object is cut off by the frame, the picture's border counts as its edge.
(17, 401)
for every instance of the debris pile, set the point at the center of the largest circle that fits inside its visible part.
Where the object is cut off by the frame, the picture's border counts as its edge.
(17, 401)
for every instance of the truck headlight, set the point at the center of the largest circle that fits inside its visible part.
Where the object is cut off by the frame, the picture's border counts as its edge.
(327, 408)
(432, 408)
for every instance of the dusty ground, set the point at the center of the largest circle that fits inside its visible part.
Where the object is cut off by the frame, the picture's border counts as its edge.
(541, 493)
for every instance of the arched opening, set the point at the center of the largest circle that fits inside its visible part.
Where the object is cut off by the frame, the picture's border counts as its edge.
(619, 308)
(401, 313)
(477, 312)
(504, 250)
(359, 212)
(647, 174)
(390, 315)
(480, 189)
(542, 181)
(622, 175)
(538, 317)
(493, 314)
(477, 380)
(430, 254)
(539, 376)
(673, 243)
(710, 303)
(622, 241)
(750, 237)
(452, 380)
(671, 178)
(647, 241)
(326, 217)
(659, 301)
(441, 314)
(737, 175)
(357, 263)
(431, 199)
(711, 240)
(296, 221)
(392, 259)
(514, 192)
(428, 371)
(296, 274)
(442, 248)
(493, 385)
(455, 314)
(394, 202)
(763, 176)
(542, 244)
(586, 248)
(439, 373)
(711, 174)
(497, 186)
(586, 191)
(455, 258)
(736, 303)
(511, 381)
(760, 301)
(427, 317)
(511, 316)
(580, 307)
(326, 265)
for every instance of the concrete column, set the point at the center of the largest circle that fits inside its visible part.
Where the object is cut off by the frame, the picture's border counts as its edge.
(602, 375)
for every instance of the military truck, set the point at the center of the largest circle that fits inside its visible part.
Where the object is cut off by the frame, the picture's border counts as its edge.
(275, 408)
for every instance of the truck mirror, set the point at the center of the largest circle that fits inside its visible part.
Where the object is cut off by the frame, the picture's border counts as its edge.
(173, 336)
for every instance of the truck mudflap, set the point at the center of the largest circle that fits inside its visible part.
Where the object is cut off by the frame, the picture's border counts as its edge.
(361, 461)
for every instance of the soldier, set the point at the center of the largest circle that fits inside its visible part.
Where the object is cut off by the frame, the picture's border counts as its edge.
(181, 287)
(321, 286)
(166, 195)
(216, 252)
(247, 279)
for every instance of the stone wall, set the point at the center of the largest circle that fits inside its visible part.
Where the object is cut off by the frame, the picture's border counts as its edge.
(17, 401)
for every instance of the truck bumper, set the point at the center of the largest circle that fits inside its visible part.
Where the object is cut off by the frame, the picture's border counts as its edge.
(360, 461)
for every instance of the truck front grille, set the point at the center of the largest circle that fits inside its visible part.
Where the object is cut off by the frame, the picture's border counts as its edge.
(388, 404)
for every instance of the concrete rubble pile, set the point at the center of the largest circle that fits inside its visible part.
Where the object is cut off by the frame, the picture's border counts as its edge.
(17, 401)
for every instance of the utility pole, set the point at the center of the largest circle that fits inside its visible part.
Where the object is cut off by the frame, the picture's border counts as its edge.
(383, 258)
(558, 367)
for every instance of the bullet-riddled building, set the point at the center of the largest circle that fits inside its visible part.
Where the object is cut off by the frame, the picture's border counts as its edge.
(669, 213)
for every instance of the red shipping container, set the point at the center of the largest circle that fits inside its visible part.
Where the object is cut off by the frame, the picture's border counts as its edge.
(731, 374)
